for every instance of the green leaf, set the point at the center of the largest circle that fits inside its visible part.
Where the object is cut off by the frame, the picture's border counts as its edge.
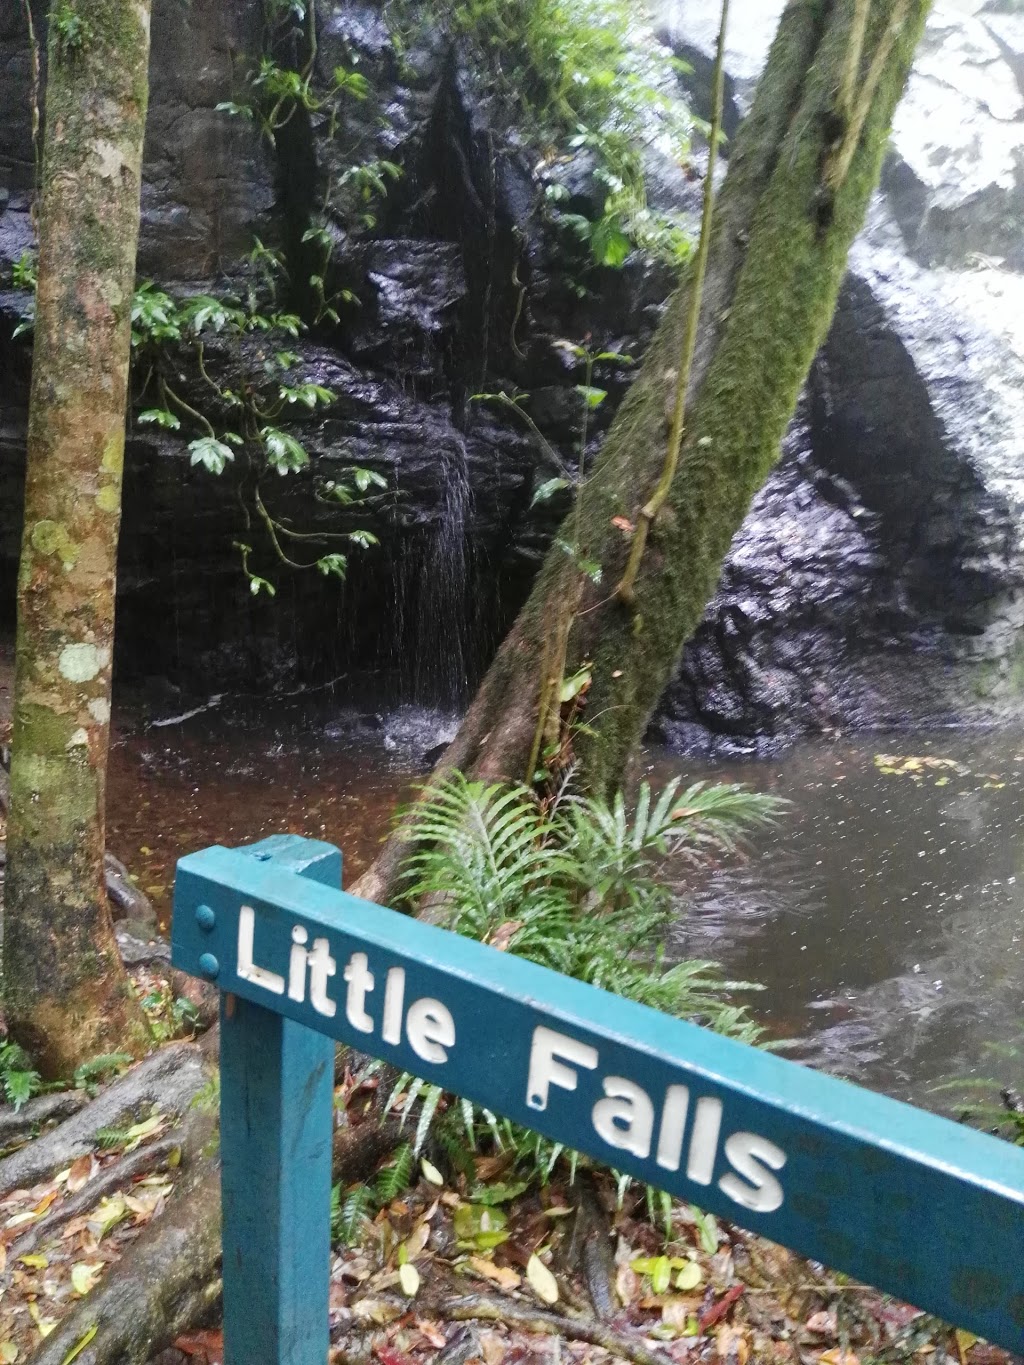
(161, 417)
(284, 452)
(548, 489)
(307, 394)
(364, 539)
(572, 687)
(609, 243)
(258, 585)
(366, 478)
(594, 397)
(333, 564)
(689, 1277)
(212, 454)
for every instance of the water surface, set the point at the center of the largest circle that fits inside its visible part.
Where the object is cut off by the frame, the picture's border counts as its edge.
(883, 916)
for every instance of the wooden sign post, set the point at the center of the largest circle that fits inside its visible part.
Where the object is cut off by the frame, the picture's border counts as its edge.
(924, 1208)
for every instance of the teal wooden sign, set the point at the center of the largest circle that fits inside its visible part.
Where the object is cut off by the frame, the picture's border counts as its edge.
(917, 1205)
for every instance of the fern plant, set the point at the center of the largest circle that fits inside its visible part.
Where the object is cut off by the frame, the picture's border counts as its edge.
(571, 884)
(352, 1208)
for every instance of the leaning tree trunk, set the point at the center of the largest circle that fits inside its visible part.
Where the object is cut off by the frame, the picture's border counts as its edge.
(801, 171)
(65, 991)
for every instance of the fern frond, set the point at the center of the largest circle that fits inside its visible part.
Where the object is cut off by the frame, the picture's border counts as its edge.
(393, 1179)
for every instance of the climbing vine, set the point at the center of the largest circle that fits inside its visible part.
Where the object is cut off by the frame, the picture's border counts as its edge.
(238, 424)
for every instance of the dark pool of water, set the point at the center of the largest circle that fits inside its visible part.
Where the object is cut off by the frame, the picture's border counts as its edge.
(883, 917)
(885, 914)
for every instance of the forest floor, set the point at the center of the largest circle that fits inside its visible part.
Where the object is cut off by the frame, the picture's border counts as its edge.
(454, 1256)
(434, 1260)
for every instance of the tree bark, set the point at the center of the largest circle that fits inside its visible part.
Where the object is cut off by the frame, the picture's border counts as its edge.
(801, 172)
(66, 994)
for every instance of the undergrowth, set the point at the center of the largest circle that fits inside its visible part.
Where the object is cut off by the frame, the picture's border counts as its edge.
(571, 884)
(584, 75)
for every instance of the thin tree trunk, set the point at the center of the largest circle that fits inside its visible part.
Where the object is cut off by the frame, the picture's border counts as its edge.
(66, 994)
(783, 225)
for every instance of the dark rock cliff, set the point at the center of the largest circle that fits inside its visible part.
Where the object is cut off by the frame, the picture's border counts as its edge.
(878, 577)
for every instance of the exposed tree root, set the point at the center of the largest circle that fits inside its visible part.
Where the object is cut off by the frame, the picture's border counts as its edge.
(120, 1173)
(170, 1281)
(589, 1249)
(167, 1283)
(16, 1123)
(490, 1308)
(171, 1078)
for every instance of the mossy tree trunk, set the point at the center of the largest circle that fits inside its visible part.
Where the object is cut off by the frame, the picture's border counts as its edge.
(802, 168)
(66, 994)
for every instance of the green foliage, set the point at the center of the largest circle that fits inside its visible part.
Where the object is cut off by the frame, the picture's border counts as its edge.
(93, 1072)
(351, 1209)
(1003, 1117)
(588, 74)
(570, 884)
(71, 31)
(237, 425)
(17, 1076)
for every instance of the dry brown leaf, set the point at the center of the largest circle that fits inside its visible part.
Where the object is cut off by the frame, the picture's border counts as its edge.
(627, 1284)
(504, 933)
(432, 1332)
(823, 1324)
(732, 1345)
(492, 1348)
(837, 1356)
(81, 1173)
(504, 1276)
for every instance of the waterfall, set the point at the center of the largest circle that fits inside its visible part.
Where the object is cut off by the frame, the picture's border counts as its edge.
(440, 656)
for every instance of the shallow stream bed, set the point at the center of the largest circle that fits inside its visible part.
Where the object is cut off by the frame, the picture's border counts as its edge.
(884, 916)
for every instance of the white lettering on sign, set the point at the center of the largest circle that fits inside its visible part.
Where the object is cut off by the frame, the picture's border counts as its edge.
(429, 1025)
(625, 1119)
(247, 969)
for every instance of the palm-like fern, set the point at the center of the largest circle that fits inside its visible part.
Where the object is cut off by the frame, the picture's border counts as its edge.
(572, 886)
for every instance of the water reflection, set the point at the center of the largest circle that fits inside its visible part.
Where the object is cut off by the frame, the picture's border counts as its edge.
(884, 915)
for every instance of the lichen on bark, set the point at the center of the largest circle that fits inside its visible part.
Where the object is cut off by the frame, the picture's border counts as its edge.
(66, 995)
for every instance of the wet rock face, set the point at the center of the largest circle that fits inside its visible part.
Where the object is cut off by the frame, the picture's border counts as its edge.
(910, 610)
(878, 578)
(457, 286)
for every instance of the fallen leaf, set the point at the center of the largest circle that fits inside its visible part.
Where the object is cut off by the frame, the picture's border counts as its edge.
(627, 1285)
(501, 1275)
(8, 1352)
(837, 1356)
(205, 1346)
(689, 1277)
(718, 1310)
(409, 1279)
(106, 1215)
(504, 933)
(84, 1275)
(964, 1342)
(388, 1355)
(432, 1332)
(33, 1261)
(731, 1345)
(623, 524)
(823, 1324)
(81, 1173)
(430, 1172)
(542, 1282)
(44, 1326)
(81, 1344)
